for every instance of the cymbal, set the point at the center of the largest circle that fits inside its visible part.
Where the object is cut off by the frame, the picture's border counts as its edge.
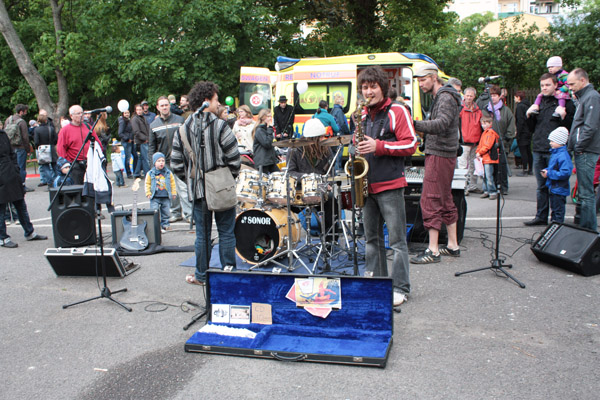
(338, 178)
(292, 143)
(336, 140)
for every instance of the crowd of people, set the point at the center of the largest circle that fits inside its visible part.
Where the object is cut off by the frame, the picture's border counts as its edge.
(463, 130)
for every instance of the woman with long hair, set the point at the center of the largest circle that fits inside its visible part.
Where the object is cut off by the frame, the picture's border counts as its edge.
(103, 131)
(243, 127)
(262, 137)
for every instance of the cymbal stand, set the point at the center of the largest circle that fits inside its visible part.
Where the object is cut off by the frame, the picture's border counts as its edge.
(292, 253)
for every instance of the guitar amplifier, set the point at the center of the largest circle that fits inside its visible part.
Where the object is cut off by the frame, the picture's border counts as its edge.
(151, 217)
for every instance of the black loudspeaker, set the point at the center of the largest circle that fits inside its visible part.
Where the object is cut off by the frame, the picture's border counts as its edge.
(570, 247)
(151, 217)
(418, 234)
(87, 262)
(72, 217)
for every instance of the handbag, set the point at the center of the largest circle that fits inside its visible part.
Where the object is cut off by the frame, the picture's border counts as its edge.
(44, 154)
(219, 184)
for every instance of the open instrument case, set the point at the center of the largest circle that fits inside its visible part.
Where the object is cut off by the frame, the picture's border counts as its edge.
(359, 332)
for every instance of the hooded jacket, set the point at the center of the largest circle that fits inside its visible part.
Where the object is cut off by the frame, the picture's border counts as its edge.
(442, 129)
(585, 131)
(470, 120)
(559, 171)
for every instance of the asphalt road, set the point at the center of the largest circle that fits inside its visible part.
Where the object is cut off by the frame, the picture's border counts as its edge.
(478, 336)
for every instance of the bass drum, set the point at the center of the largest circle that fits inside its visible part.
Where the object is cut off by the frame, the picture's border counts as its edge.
(261, 234)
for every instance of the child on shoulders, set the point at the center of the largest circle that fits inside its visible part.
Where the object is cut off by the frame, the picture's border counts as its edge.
(554, 65)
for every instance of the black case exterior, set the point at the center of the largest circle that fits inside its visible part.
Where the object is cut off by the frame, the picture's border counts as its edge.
(385, 289)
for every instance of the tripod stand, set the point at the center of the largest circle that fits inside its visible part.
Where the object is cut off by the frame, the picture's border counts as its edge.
(105, 291)
(496, 264)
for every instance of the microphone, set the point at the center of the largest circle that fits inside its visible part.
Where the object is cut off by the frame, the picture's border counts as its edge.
(488, 78)
(107, 109)
(204, 105)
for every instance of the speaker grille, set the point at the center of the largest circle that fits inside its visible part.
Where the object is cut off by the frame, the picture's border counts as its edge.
(75, 226)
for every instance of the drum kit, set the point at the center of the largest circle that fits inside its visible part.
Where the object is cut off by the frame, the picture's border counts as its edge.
(271, 206)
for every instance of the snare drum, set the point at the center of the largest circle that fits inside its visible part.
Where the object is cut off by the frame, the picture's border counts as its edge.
(277, 192)
(248, 189)
(311, 189)
(261, 234)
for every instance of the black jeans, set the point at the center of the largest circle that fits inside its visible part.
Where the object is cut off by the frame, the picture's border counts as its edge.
(526, 156)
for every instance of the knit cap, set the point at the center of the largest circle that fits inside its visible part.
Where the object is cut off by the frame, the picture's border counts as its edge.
(560, 135)
(554, 61)
(156, 156)
(62, 162)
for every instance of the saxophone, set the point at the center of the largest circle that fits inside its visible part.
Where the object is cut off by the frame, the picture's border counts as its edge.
(360, 165)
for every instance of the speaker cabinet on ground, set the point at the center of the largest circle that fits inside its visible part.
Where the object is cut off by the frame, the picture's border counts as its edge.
(87, 262)
(72, 217)
(570, 247)
(412, 199)
(151, 217)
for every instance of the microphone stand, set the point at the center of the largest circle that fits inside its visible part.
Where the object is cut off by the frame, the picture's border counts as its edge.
(105, 291)
(496, 264)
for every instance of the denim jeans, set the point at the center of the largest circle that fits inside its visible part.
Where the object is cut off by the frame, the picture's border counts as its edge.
(585, 163)
(557, 204)
(130, 152)
(23, 215)
(489, 181)
(387, 207)
(540, 162)
(22, 162)
(143, 163)
(163, 205)
(181, 206)
(225, 227)
(47, 173)
(119, 178)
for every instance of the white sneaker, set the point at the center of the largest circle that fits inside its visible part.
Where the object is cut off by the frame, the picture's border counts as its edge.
(399, 298)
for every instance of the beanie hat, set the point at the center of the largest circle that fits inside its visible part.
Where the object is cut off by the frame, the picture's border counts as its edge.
(156, 156)
(555, 61)
(560, 135)
(313, 128)
(62, 162)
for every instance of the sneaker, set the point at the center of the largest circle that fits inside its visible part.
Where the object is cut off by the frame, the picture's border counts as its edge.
(8, 222)
(42, 184)
(426, 257)
(8, 243)
(466, 192)
(175, 218)
(399, 298)
(163, 230)
(476, 191)
(35, 236)
(485, 195)
(493, 196)
(446, 251)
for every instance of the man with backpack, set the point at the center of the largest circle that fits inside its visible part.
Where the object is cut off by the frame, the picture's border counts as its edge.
(17, 131)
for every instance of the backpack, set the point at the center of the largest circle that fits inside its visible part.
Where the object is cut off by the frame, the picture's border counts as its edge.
(13, 132)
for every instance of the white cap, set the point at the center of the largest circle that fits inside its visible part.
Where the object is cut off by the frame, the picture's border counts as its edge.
(313, 128)
(560, 135)
(554, 61)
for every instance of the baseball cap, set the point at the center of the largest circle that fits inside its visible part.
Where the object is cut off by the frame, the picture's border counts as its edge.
(425, 69)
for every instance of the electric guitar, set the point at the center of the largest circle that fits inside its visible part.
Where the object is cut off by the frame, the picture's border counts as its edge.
(134, 236)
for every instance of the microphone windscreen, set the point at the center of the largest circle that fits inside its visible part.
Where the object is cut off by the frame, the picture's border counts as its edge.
(108, 109)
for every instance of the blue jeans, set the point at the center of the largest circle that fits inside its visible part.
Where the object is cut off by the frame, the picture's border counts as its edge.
(181, 206)
(119, 178)
(23, 215)
(489, 181)
(225, 227)
(130, 152)
(22, 162)
(143, 163)
(557, 204)
(387, 207)
(163, 204)
(47, 173)
(540, 162)
(585, 163)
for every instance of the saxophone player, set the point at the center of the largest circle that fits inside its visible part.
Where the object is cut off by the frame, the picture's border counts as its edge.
(387, 137)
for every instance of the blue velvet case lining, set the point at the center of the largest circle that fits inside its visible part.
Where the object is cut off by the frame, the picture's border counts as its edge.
(361, 328)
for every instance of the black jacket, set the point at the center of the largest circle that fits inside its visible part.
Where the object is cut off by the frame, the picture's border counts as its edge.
(523, 132)
(141, 129)
(46, 134)
(283, 121)
(125, 129)
(264, 152)
(11, 187)
(542, 124)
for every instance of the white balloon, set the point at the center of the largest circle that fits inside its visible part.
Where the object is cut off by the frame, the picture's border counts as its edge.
(302, 87)
(123, 105)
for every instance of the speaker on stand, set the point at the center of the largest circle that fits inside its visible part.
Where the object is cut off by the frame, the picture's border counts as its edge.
(72, 217)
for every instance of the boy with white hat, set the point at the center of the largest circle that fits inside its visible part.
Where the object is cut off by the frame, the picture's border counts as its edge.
(558, 172)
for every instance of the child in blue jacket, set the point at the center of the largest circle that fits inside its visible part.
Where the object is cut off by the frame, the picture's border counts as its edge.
(558, 173)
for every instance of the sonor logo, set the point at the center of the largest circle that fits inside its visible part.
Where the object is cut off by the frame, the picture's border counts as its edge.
(256, 220)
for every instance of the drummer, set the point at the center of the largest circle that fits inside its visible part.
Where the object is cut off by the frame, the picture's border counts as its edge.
(313, 159)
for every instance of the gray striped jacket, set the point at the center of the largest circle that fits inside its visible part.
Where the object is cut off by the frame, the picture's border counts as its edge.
(221, 150)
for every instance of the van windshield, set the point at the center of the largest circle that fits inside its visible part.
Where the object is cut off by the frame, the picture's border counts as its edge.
(257, 96)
